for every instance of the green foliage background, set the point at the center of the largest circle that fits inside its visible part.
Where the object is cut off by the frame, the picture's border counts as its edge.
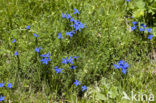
(106, 40)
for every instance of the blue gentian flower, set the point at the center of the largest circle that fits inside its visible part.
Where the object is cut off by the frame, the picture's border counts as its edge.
(84, 88)
(73, 67)
(45, 55)
(78, 25)
(72, 19)
(149, 30)
(81, 25)
(9, 85)
(70, 60)
(28, 27)
(150, 36)
(123, 65)
(63, 15)
(143, 25)
(1, 98)
(64, 60)
(75, 57)
(76, 11)
(142, 29)
(14, 41)
(35, 35)
(133, 28)
(59, 70)
(45, 60)
(38, 49)
(69, 33)
(134, 23)
(77, 83)
(55, 67)
(16, 53)
(2, 84)
(117, 66)
(60, 36)
(124, 71)
(76, 22)
(128, 0)
(68, 16)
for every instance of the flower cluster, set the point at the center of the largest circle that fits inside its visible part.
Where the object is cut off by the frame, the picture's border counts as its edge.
(9, 85)
(76, 25)
(123, 65)
(69, 61)
(142, 28)
(58, 70)
(66, 61)
(77, 83)
(45, 58)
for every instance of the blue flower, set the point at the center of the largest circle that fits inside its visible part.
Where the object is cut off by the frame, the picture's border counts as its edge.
(9, 85)
(55, 67)
(123, 65)
(124, 71)
(45, 60)
(35, 35)
(78, 25)
(142, 29)
(2, 84)
(64, 60)
(117, 66)
(69, 33)
(149, 30)
(28, 27)
(134, 23)
(73, 67)
(72, 19)
(70, 60)
(128, 0)
(76, 22)
(143, 25)
(63, 15)
(76, 11)
(75, 57)
(59, 70)
(16, 53)
(45, 55)
(38, 49)
(14, 41)
(1, 98)
(77, 83)
(68, 16)
(133, 28)
(150, 36)
(60, 36)
(82, 25)
(84, 88)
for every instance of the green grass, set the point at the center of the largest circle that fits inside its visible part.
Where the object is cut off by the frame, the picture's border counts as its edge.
(106, 40)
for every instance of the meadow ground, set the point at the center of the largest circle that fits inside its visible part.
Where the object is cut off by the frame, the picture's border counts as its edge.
(110, 54)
